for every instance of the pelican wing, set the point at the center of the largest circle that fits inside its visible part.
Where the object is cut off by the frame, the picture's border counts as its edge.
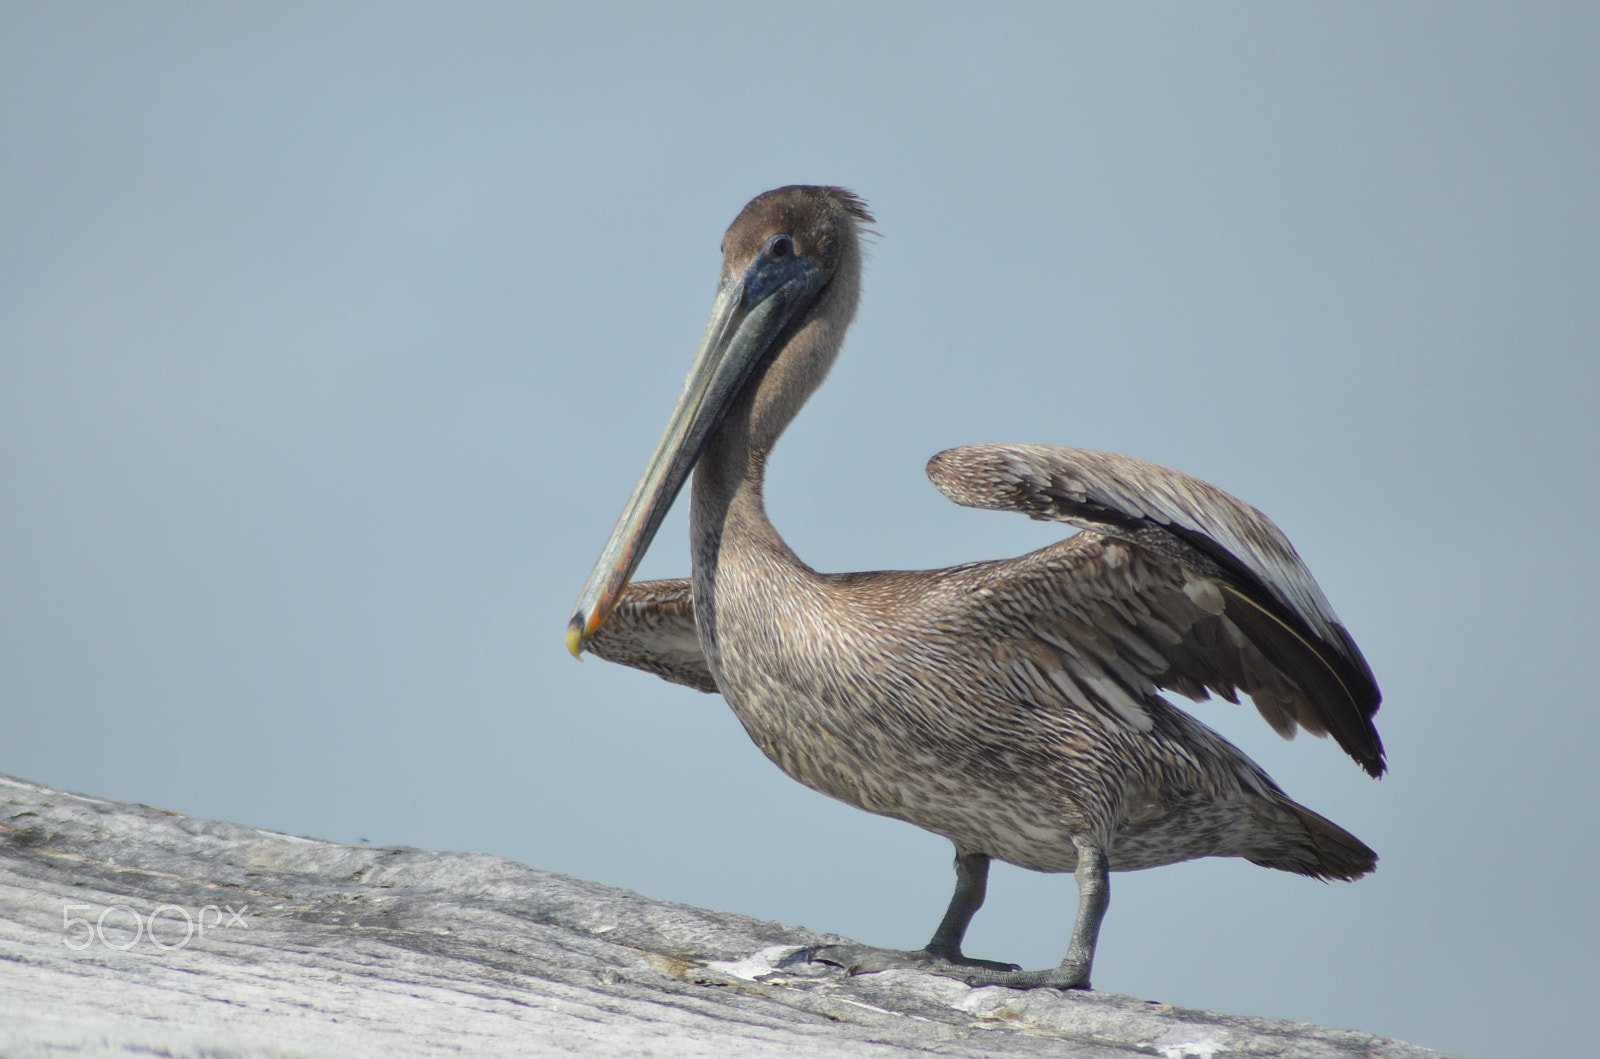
(1256, 620)
(652, 628)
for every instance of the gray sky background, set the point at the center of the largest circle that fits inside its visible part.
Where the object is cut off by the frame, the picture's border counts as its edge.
(332, 338)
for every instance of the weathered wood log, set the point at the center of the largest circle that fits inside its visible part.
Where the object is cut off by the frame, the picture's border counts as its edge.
(128, 929)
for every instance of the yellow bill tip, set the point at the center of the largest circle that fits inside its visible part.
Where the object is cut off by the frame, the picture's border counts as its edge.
(575, 641)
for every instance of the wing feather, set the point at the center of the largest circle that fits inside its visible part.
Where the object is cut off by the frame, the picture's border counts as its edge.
(652, 628)
(1215, 598)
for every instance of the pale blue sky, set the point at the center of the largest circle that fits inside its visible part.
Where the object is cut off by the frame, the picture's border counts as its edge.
(332, 338)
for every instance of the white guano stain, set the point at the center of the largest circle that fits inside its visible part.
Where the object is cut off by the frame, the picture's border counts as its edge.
(1204, 1048)
(754, 965)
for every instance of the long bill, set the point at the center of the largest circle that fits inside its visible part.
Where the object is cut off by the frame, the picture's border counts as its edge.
(747, 319)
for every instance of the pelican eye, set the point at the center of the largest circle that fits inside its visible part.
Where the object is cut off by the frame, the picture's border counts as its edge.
(778, 247)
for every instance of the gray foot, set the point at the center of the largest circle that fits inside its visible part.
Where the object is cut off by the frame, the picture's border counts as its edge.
(864, 959)
(1063, 977)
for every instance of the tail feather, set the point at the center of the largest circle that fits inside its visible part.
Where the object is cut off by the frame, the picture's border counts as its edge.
(1324, 850)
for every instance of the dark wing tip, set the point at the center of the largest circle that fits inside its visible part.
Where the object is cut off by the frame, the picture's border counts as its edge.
(1338, 696)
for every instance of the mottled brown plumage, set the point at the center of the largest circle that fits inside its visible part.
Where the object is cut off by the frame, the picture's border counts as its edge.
(1012, 706)
(652, 628)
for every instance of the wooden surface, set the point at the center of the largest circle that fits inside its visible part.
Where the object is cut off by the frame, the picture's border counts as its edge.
(127, 930)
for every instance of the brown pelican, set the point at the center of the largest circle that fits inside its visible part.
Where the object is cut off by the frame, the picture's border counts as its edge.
(1011, 706)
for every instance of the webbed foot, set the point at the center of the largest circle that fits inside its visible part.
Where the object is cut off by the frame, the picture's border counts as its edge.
(1066, 976)
(865, 959)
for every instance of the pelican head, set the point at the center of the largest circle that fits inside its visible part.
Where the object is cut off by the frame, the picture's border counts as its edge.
(790, 283)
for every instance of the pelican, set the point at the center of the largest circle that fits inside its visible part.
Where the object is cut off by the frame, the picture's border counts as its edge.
(1011, 706)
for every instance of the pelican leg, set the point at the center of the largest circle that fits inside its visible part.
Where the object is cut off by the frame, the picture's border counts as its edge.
(942, 954)
(972, 886)
(1094, 894)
